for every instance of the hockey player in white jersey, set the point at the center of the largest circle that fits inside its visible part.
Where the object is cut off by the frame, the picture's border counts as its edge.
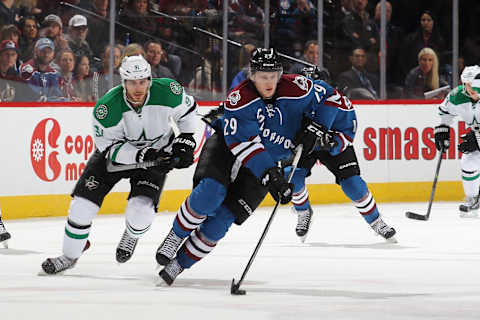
(131, 129)
(463, 101)
(4, 235)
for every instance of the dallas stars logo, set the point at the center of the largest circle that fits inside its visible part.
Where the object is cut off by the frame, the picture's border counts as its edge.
(91, 184)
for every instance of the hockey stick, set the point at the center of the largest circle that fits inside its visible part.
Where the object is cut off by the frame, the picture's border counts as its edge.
(416, 216)
(111, 167)
(235, 287)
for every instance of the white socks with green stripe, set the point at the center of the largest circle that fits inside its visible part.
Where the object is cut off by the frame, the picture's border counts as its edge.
(77, 228)
(471, 182)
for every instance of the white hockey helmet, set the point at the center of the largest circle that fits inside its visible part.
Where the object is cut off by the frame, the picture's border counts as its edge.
(135, 68)
(471, 74)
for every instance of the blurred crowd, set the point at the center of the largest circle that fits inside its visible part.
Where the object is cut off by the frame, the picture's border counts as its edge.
(59, 50)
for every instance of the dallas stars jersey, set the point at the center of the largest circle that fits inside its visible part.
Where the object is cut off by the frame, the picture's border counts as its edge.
(124, 130)
(458, 103)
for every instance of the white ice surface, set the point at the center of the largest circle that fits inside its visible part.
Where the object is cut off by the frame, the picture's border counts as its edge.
(343, 271)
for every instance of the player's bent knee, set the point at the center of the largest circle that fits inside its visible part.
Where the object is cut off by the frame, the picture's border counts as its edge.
(215, 228)
(82, 211)
(207, 196)
(140, 212)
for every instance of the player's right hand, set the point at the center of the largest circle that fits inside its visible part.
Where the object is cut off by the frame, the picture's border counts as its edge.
(277, 185)
(442, 137)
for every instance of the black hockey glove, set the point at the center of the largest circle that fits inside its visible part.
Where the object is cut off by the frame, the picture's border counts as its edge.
(213, 116)
(277, 185)
(313, 135)
(442, 137)
(470, 143)
(165, 161)
(182, 150)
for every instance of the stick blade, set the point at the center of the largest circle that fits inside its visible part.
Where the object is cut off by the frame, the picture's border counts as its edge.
(416, 216)
(235, 289)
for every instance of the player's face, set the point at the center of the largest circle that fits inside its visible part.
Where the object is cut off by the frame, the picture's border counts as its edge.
(137, 90)
(472, 93)
(266, 83)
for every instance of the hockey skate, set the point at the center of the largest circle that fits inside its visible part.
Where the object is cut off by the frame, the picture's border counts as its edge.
(303, 223)
(4, 235)
(57, 265)
(469, 209)
(383, 229)
(169, 273)
(167, 250)
(126, 247)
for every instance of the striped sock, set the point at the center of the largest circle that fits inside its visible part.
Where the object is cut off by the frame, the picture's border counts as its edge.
(367, 208)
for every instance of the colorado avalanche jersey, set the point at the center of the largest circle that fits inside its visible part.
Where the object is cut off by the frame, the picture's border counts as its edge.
(334, 111)
(260, 132)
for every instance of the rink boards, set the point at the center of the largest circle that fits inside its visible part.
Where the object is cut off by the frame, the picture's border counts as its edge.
(45, 147)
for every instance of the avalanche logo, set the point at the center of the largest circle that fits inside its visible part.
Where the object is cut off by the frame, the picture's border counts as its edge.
(44, 137)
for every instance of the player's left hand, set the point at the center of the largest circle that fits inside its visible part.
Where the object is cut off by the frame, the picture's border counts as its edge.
(469, 144)
(313, 135)
(182, 149)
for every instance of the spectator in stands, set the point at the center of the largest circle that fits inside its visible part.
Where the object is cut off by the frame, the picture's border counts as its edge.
(8, 70)
(29, 27)
(100, 78)
(40, 77)
(98, 37)
(8, 14)
(243, 62)
(310, 54)
(77, 35)
(154, 56)
(133, 49)
(358, 77)
(428, 35)
(82, 79)
(425, 76)
(395, 38)
(359, 28)
(293, 24)
(66, 64)
(10, 32)
(53, 30)
(246, 18)
(136, 15)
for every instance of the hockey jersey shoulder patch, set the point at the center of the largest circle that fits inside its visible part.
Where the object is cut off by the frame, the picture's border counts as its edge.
(293, 86)
(166, 92)
(241, 96)
(110, 108)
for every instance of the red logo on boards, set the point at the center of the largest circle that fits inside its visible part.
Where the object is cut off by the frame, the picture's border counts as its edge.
(44, 138)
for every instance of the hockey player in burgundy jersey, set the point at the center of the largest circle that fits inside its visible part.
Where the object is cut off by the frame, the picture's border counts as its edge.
(238, 164)
(334, 112)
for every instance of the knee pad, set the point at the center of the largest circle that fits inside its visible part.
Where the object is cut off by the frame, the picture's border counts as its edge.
(207, 196)
(354, 187)
(216, 227)
(82, 211)
(139, 215)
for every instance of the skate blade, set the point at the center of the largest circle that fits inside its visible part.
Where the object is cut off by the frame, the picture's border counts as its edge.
(159, 282)
(303, 238)
(42, 273)
(469, 215)
(391, 240)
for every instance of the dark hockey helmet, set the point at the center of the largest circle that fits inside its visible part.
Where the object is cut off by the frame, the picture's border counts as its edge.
(315, 73)
(265, 60)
